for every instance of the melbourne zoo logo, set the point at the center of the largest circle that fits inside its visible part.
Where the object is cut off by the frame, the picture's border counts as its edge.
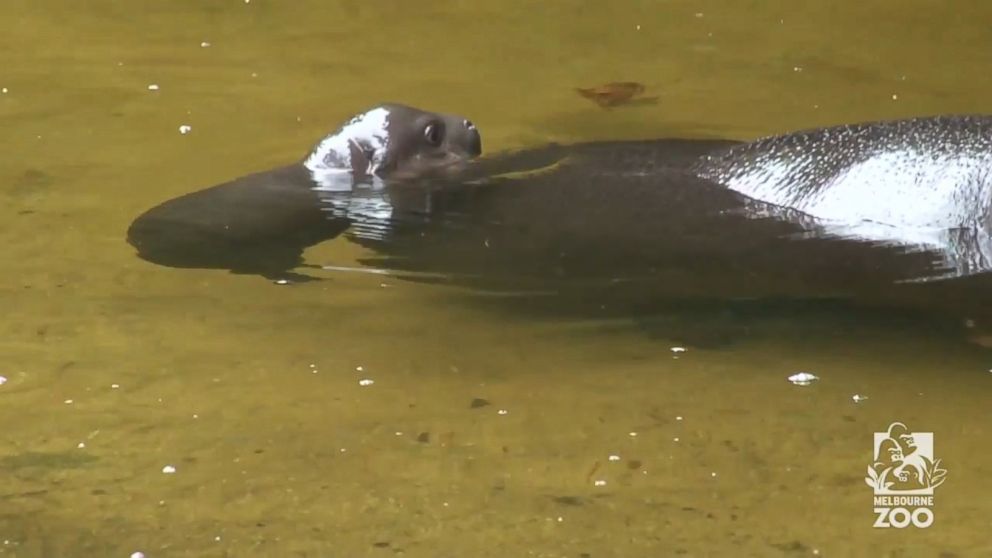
(903, 476)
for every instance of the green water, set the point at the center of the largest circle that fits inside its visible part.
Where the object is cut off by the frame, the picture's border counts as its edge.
(251, 390)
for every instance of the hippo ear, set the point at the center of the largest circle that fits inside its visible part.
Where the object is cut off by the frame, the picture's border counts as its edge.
(363, 158)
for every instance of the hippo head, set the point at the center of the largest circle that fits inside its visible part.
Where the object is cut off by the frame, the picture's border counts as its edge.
(393, 142)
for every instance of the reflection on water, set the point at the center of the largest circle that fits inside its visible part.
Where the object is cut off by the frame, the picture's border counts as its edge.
(597, 439)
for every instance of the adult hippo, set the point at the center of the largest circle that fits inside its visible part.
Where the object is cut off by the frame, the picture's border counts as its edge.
(617, 226)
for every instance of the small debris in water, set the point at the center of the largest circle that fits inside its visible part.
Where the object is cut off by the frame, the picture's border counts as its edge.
(678, 349)
(185, 129)
(614, 458)
(633, 434)
(859, 398)
(678, 417)
(399, 433)
(81, 445)
(502, 412)
(803, 378)
(615, 93)
(359, 368)
(153, 87)
(4, 90)
(366, 382)
(713, 474)
(3, 380)
(115, 386)
(675, 439)
(168, 469)
(68, 401)
(205, 44)
(137, 555)
(895, 97)
(599, 482)
(281, 281)
(478, 402)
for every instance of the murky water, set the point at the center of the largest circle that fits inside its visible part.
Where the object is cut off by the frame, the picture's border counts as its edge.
(484, 432)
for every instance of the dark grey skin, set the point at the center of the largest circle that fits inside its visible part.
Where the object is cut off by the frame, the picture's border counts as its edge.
(622, 228)
(633, 228)
(261, 223)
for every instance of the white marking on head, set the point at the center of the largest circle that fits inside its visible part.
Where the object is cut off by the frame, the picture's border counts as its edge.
(330, 163)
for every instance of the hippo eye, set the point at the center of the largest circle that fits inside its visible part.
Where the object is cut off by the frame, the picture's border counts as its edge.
(434, 133)
(469, 125)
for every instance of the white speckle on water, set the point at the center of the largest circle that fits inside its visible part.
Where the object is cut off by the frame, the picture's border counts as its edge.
(713, 474)
(168, 469)
(359, 368)
(803, 378)
(254, 74)
(4, 90)
(632, 434)
(614, 458)
(699, 14)
(857, 398)
(81, 445)
(185, 129)
(115, 386)
(196, 416)
(560, 519)
(638, 27)
(3, 380)
(502, 412)
(68, 401)
(399, 433)
(366, 382)
(678, 417)
(138, 554)
(599, 482)
(675, 439)
(217, 538)
(153, 87)
(895, 97)
(281, 281)
(205, 44)
(343, 450)
(678, 349)
(797, 69)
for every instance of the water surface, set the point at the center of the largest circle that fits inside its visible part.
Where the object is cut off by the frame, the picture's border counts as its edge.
(486, 432)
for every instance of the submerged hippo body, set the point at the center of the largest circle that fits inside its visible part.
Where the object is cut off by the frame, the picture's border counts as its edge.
(891, 213)
(872, 212)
